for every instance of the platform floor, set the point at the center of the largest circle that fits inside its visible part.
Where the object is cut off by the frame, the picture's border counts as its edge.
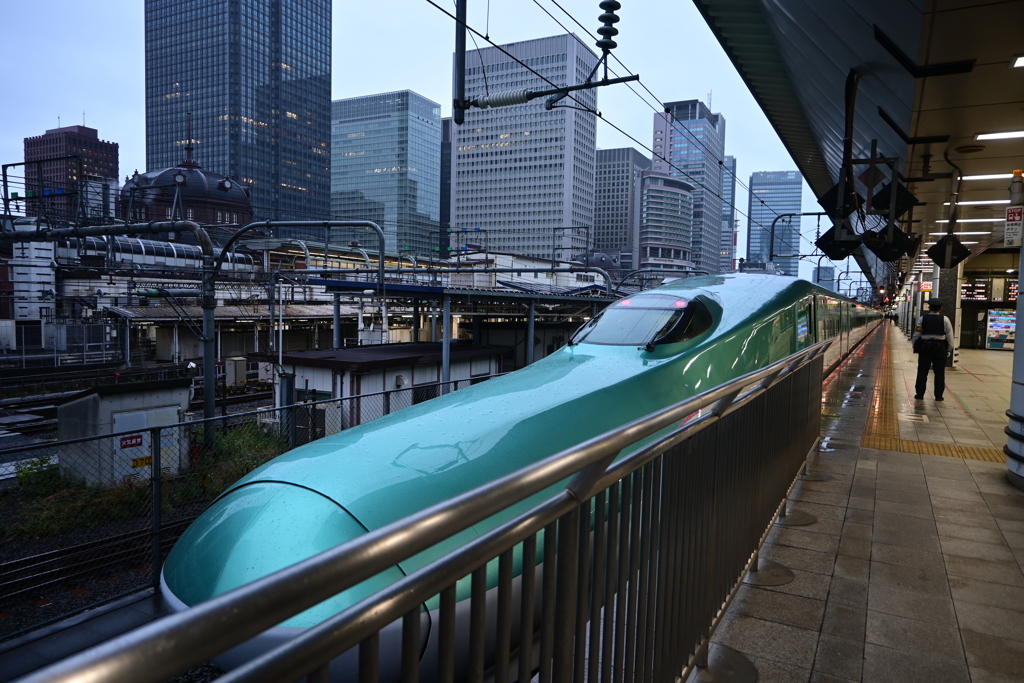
(914, 570)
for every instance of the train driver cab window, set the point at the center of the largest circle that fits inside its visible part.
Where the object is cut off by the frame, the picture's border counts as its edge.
(646, 320)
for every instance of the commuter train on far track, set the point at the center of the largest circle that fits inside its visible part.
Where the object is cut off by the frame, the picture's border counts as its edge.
(642, 353)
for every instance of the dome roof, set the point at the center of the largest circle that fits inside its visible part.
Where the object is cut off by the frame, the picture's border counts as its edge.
(193, 182)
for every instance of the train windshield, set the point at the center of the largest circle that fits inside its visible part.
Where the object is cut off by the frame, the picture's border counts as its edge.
(644, 320)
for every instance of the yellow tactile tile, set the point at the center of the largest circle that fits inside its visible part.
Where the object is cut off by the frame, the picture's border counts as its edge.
(882, 429)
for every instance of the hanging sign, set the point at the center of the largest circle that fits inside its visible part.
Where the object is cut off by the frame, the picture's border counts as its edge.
(1014, 226)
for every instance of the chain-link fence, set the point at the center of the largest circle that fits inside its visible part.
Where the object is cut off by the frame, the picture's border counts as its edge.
(78, 524)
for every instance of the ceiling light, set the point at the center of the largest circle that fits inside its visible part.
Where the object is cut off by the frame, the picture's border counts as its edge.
(1017, 61)
(990, 176)
(962, 233)
(976, 220)
(980, 202)
(1000, 136)
(928, 244)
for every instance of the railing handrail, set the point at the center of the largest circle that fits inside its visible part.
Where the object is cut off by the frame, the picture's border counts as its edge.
(221, 418)
(177, 642)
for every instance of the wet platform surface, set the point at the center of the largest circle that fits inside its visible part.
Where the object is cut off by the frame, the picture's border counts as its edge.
(914, 570)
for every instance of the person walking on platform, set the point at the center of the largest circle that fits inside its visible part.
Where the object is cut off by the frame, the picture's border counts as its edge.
(933, 342)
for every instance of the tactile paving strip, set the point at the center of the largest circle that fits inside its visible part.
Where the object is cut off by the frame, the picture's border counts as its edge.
(882, 431)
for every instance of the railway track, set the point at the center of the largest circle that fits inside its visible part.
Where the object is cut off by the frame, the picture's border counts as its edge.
(66, 564)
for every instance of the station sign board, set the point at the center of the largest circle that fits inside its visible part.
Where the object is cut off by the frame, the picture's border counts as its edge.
(1014, 227)
(924, 286)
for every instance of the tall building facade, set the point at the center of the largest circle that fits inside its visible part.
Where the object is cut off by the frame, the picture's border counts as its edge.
(386, 166)
(255, 75)
(447, 136)
(522, 174)
(616, 202)
(773, 193)
(665, 231)
(689, 143)
(70, 175)
(728, 252)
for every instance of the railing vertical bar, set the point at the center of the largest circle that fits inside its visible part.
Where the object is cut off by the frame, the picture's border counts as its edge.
(477, 623)
(549, 579)
(446, 637)
(666, 566)
(565, 596)
(611, 577)
(369, 659)
(634, 571)
(582, 594)
(648, 575)
(526, 621)
(621, 598)
(597, 587)
(411, 646)
(503, 643)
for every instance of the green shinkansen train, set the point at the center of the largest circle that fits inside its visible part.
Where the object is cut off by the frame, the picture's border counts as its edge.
(641, 354)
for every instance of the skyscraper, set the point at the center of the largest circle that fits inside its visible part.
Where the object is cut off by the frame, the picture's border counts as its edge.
(386, 166)
(728, 215)
(773, 193)
(666, 220)
(256, 77)
(522, 173)
(70, 174)
(617, 195)
(447, 137)
(689, 143)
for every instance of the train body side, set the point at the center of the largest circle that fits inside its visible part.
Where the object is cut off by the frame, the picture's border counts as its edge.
(326, 492)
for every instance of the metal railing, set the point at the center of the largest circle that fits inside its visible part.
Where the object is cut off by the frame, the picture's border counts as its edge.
(78, 519)
(628, 568)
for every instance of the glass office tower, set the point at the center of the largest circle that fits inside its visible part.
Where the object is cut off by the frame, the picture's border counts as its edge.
(386, 166)
(256, 77)
(773, 193)
(689, 144)
(728, 236)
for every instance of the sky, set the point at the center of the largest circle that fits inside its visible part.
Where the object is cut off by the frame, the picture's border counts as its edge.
(91, 67)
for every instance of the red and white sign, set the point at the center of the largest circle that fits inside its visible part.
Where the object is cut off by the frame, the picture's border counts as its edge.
(924, 286)
(131, 441)
(1014, 226)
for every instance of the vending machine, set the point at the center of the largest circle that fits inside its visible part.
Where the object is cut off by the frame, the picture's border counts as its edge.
(1002, 323)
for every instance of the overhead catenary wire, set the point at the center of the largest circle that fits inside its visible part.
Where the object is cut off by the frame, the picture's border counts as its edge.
(661, 109)
(608, 122)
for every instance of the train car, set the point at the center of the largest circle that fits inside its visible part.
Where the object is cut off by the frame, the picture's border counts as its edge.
(642, 353)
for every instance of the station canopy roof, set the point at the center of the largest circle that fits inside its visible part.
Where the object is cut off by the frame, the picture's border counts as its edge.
(934, 76)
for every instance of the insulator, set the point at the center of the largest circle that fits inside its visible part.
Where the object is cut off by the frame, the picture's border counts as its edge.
(504, 98)
(608, 30)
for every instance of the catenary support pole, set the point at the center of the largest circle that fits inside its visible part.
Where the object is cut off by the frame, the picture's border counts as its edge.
(446, 343)
(530, 321)
(337, 321)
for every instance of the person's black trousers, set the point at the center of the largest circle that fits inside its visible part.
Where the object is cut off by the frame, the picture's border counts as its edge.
(931, 361)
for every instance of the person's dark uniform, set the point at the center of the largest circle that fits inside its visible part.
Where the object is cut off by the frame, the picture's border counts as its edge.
(933, 342)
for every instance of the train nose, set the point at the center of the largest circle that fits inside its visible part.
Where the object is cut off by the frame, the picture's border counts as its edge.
(256, 530)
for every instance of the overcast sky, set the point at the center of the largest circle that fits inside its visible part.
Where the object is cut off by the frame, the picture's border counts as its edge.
(90, 62)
